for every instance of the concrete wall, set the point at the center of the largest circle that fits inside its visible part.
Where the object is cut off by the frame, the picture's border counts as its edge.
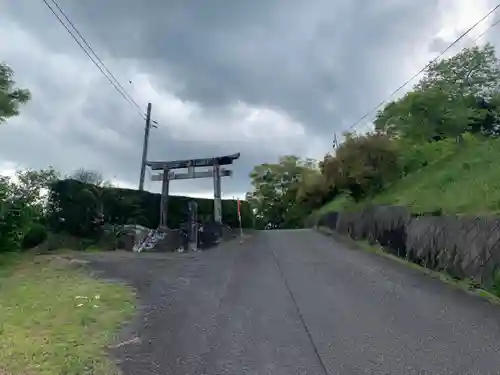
(463, 246)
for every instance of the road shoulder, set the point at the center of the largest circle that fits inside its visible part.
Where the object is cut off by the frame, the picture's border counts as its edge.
(467, 286)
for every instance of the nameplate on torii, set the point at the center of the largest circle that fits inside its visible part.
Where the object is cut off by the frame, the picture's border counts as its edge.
(191, 174)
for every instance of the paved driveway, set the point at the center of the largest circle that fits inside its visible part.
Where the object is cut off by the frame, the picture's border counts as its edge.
(297, 302)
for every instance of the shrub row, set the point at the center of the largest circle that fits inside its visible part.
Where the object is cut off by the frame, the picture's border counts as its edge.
(79, 209)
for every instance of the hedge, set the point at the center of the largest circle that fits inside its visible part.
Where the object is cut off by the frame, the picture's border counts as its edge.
(74, 207)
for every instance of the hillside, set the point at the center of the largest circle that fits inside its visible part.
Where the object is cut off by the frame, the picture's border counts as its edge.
(465, 179)
(434, 150)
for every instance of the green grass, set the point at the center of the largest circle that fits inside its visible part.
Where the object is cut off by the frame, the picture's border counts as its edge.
(56, 319)
(7, 263)
(467, 181)
(340, 203)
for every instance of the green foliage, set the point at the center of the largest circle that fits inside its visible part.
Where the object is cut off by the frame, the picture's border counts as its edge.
(455, 95)
(31, 187)
(20, 203)
(35, 236)
(10, 97)
(430, 114)
(14, 218)
(413, 157)
(489, 123)
(19, 208)
(363, 164)
(275, 191)
(340, 203)
(22, 206)
(474, 71)
(80, 209)
(464, 182)
(434, 148)
(458, 179)
(314, 189)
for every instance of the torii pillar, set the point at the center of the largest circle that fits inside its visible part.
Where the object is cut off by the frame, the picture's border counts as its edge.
(165, 187)
(217, 194)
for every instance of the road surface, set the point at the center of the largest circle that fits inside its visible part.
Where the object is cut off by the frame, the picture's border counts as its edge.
(297, 302)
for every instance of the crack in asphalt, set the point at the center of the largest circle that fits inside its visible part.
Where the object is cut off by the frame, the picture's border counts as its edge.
(315, 348)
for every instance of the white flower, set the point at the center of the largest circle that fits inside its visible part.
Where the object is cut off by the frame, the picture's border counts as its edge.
(97, 297)
(79, 305)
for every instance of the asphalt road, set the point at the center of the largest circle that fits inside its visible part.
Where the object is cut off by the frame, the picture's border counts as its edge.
(297, 302)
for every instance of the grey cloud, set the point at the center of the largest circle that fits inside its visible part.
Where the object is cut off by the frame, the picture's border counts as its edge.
(324, 62)
(291, 54)
(47, 136)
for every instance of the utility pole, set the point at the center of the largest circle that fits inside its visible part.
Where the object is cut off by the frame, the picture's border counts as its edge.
(145, 147)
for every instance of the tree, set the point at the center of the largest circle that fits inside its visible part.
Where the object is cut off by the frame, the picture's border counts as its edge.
(427, 115)
(10, 97)
(274, 197)
(448, 100)
(14, 219)
(489, 124)
(314, 190)
(31, 188)
(88, 177)
(23, 205)
(474, 72)
(92, 194)
(363, 164)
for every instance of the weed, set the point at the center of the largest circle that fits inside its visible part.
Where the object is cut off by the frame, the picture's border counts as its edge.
(52, 322)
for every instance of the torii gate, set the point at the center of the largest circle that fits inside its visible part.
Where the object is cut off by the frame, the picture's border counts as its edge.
(168, 174)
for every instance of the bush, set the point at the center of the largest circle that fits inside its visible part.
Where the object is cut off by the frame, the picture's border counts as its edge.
(363, 165)
(14, 217)
(36, 235)
(80, 209)
(314, 191)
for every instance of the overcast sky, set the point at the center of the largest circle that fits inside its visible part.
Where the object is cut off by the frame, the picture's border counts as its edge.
(261, 77)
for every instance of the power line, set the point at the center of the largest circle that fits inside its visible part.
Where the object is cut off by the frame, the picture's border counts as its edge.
(117, 86)
(425, 67)
(96, 56)
(487, 30)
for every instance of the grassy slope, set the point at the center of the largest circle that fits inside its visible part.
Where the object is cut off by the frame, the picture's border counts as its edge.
(56, 319)
(466, 182)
